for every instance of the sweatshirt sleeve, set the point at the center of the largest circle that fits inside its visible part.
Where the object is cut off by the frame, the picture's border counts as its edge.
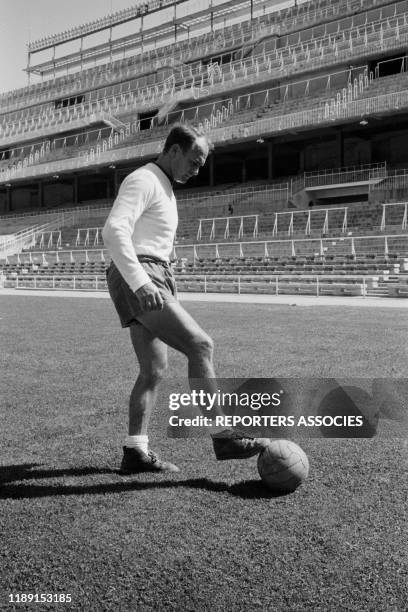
(132, 200)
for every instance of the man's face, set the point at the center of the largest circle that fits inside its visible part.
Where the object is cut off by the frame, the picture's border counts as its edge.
(186, 165)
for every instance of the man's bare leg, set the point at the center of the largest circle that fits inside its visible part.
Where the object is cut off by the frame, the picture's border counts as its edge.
(177, 328)
(152, 357)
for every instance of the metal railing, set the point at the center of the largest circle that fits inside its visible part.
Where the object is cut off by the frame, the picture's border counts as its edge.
(255, 65)
(393, 187)
(265, 27)
(310, 216)
(305, 284)
(336, 176)
(40, 214)
(25, 238)
(72, 215)
(339, 111)
(63, 215)
(218, 112)
(60, 256)
(403, 218)
(328, 115)
(59, 86)
(353, 246)
(57, 281)
(226, 228)
(271, 192)
(122, 99)
(342, 245)
(89, 235)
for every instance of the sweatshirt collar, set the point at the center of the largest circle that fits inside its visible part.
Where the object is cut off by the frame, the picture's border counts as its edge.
(164, 172)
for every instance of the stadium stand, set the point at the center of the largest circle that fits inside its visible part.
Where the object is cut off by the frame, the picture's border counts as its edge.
(306, 190)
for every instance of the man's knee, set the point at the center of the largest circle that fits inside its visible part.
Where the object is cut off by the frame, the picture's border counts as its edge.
(201, 346)
(153, 373)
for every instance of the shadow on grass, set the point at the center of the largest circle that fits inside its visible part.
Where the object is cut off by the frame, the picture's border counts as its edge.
(26, 471)
(249, 489)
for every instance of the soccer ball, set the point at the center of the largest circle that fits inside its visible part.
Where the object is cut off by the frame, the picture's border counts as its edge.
(283, 466)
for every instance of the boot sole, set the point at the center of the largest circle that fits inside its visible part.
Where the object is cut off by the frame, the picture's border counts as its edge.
(240, 456)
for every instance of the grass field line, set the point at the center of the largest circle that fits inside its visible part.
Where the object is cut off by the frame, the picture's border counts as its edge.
(291, 300)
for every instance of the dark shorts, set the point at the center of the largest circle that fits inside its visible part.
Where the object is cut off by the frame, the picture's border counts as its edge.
(124, 299)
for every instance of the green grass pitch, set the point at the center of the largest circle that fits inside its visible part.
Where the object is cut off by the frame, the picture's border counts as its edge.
(211, 537)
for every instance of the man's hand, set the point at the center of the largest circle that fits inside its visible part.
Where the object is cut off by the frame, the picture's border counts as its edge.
(149, 298)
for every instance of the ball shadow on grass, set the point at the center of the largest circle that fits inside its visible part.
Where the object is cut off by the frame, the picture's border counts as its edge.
(254, 489)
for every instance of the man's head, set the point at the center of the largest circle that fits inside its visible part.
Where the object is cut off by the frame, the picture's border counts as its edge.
(185, 152)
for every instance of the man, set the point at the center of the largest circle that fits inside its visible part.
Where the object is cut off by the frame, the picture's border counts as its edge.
(139, 235)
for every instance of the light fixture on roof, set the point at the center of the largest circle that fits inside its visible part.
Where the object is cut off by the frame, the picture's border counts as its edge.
(364, 122)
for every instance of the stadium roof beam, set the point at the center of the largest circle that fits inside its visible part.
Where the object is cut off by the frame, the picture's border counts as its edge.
(99, 51)
(112, 20)
(210, 15)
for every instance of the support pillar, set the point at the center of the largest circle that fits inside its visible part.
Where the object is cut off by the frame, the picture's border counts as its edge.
(75, 189)
(116, 182)
(369, 151)
(244, 171)
(270, 160)
(340, 149)
(40, 195)
(212, 170)
(302, 160)
(8, 200)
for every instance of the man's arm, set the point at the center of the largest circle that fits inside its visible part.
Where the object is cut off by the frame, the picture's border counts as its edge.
(132, 200)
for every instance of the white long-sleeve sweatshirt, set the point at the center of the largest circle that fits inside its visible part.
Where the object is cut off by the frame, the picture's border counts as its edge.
(143, 221)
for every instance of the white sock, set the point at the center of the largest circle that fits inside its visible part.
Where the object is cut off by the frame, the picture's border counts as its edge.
(140, 442)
